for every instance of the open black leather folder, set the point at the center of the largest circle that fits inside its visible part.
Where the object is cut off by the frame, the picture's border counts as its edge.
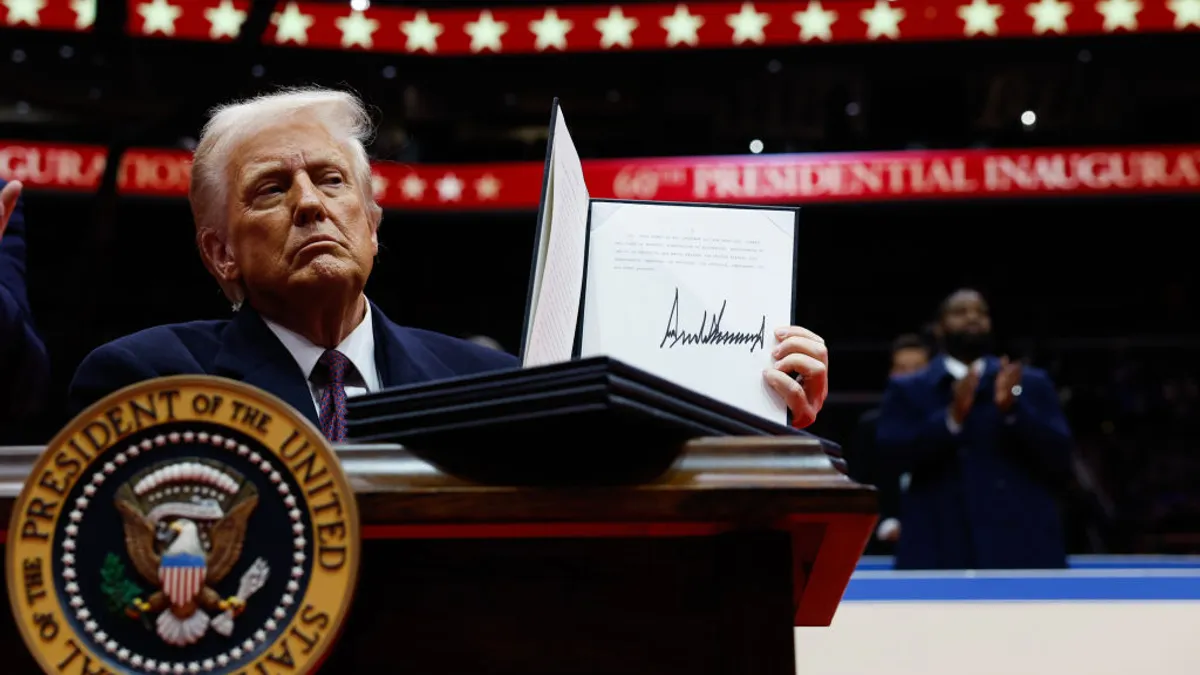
(583, 421)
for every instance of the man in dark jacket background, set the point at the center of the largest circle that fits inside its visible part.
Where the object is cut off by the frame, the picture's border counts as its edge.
(987, 449)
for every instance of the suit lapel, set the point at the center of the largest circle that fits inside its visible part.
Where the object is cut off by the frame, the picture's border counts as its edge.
(250, 352)
(936, 373)
(392, 356)
(939, 381)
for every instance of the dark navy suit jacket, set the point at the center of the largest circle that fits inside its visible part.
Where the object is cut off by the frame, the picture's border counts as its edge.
(244, 348)
(24, 365)
(986, 497)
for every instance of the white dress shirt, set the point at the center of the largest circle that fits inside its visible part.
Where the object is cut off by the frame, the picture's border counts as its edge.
(958, 370)
(358, 347)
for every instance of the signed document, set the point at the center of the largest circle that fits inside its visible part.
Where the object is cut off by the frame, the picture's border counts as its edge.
(692, 293)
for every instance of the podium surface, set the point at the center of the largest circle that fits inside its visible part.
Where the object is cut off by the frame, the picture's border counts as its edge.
(706, 569)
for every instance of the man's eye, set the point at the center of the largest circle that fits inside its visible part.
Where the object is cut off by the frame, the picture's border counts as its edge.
(333, 179)
(269, 189)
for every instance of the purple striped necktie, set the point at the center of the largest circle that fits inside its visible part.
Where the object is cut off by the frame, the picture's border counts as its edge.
(330, 373)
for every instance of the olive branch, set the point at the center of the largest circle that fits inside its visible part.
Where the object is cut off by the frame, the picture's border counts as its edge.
(116, 586)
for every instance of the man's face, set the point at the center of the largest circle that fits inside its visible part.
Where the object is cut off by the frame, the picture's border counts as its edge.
(909, 360)
(965, 328)
(966, 313)
(298, 224)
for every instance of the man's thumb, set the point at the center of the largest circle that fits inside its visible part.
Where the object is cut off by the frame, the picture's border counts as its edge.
(8, 196)
(8, 202)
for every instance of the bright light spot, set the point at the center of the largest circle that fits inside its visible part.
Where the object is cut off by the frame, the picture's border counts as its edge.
(756, 146)
(360, 5)
(1028, 118)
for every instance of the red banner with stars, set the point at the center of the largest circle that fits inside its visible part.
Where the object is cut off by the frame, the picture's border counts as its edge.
(510, 29)
(63, 15)
(754, 179)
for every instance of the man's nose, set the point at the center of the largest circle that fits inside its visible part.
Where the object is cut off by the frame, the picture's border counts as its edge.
(310, 204)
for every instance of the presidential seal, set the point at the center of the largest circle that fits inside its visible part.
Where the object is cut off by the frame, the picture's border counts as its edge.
(187, 524)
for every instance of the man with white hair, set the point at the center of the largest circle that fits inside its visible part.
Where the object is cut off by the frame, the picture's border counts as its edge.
(287, 224)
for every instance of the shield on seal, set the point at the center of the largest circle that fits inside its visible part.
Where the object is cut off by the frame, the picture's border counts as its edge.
(182, 576)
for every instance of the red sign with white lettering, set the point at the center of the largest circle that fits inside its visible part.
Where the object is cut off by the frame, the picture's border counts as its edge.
(755, 179)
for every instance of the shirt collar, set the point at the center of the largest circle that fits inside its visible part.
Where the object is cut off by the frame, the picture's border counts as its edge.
(958, 370)
(358, 347)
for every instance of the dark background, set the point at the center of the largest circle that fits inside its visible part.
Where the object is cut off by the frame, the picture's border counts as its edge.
(1099, 291)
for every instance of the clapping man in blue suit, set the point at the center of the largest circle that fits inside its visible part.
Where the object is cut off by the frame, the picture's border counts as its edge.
(24, 366)
(987, 448)
(287, 224)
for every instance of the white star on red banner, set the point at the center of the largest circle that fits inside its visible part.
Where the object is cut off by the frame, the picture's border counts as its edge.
(434, 31)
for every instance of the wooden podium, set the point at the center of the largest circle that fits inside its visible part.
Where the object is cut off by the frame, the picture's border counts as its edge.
(706, 570)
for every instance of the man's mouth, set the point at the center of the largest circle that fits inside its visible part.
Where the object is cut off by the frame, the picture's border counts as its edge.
(317, 242)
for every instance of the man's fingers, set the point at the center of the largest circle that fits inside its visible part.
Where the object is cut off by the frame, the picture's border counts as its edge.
(799, 331)
(8, 202)
(797, 344)
(780, 382)
(814, 376)
(804, 412)
(8, 196)
(802, 364)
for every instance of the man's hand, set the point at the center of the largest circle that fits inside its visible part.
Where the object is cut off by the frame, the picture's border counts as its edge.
(889, 530)
(800, 352)
(8, 202)
(964, 396)
(1007, 379)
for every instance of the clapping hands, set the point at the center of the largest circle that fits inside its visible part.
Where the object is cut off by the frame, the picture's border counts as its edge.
(1005, 391)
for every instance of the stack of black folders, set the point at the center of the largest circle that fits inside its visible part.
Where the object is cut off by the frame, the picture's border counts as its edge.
(586, 421)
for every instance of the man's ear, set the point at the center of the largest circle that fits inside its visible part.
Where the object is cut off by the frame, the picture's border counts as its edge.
(375, 214)
(218, 259)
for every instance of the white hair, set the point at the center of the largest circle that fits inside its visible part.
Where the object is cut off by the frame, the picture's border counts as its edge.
(342, 114)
